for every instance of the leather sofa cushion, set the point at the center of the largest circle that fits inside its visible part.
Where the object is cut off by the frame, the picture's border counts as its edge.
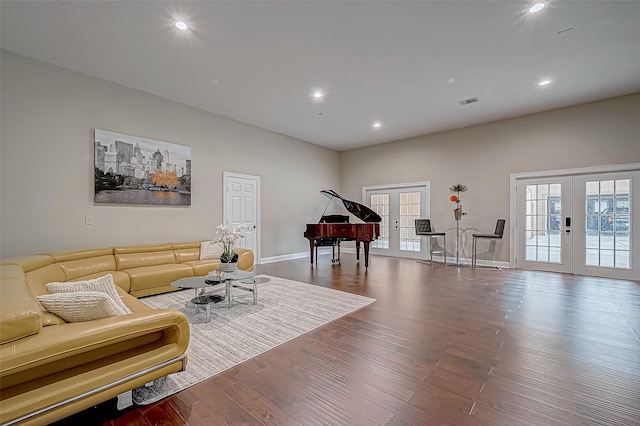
(189, 245)
(142, 249)
(29, 263)
(187, 254)
(39, 277)
(146, 277)
(121, 279)
(88, 266)
(67, 256)
(12, 271)
(203, 267)
(19, 312)
(142, 259)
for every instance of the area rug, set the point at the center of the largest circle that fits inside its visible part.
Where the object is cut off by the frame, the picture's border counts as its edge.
(286, 309)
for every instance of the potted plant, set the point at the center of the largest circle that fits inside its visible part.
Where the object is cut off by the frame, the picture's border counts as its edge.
(457, 189)
(228, 236)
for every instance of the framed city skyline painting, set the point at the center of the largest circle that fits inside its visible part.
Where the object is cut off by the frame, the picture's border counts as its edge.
(136, 170)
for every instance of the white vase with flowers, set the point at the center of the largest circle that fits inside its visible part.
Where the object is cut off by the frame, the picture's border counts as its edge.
(228, 236)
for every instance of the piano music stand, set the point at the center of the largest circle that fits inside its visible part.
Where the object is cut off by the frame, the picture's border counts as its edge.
(423, 228)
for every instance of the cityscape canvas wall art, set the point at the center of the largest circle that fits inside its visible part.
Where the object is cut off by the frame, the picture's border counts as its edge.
(135, 170)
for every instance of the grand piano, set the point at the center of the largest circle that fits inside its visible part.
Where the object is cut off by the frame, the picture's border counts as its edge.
(358, 232)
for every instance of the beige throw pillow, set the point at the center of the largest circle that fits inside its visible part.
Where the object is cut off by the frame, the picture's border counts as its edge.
(103, 284)
(80, 306)
(210, 251)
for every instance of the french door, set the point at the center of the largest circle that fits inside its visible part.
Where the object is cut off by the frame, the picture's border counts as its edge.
(582, 224)
(544, 231)
(399, 206)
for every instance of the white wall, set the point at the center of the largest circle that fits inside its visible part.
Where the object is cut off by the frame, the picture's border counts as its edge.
(47, 119)
(483, 157)
(46, 170)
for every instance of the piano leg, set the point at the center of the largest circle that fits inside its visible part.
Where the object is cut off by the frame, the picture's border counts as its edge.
(336, 246)
(366, 253)
(312, 246)
(357, 250)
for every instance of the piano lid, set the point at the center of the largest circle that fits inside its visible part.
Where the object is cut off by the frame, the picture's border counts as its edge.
(360, 211)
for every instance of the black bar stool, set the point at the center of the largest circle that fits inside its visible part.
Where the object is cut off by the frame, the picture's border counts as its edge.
(497, 235)
(423, 228)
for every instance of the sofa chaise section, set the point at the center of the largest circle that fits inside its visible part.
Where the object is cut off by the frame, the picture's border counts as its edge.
(50, 370)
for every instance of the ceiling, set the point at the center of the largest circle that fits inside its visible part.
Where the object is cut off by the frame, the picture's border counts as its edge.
(405, 64)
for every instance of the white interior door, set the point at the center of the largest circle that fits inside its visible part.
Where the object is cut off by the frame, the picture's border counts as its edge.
(241, 207)
(399, 207)
(581, 224)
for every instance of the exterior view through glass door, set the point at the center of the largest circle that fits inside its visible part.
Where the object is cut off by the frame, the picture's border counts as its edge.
(399, 207)
(610, 212)
(580, 224)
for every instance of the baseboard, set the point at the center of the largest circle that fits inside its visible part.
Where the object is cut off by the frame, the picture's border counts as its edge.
(284, 257)
(467, 262)
(436, 258)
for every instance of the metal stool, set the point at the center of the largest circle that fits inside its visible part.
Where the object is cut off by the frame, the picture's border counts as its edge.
(497, 235)
(423, 228)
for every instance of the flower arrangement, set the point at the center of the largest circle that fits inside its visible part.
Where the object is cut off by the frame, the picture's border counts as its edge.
(455, 198)
(228, 236)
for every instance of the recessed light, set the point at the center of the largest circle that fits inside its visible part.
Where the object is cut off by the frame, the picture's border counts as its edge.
(376, 125)
(544, 82)
(318, 94)
(181, 25)
(536, 7)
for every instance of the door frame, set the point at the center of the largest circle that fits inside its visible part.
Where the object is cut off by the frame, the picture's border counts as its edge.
(425, 206)
(226, 201)
(565, 232)
(514, 177)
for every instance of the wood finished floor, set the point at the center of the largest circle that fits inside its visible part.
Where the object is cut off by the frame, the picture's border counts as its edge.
(440, 346)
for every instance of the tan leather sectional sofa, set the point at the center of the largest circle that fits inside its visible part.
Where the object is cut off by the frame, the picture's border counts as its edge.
(50, 369)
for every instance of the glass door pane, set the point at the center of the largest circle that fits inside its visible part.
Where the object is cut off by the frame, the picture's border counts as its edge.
(544, 239)
(409, 212)
(379, 203)
(608, 213)
(543, 222)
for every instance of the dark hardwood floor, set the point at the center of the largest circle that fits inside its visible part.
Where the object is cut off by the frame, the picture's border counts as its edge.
(440, 346)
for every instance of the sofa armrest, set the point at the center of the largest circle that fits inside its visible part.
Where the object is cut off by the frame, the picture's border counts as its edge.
(245, 259)
(19, 312)
(68, 347)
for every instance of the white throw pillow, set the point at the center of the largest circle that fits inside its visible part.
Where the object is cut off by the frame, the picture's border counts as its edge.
(80, 306)
(210, 251)
(103, 284)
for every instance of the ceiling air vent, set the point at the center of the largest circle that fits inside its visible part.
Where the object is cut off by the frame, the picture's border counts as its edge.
(468, 101)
